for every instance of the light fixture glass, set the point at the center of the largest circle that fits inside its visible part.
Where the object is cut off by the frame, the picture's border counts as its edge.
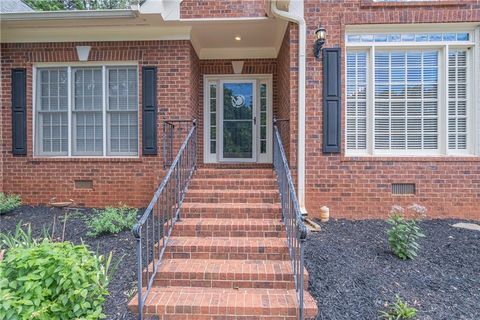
(321, 33)
(238, 38)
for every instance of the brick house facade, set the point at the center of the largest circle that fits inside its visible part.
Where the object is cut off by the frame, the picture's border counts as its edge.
(351, 186)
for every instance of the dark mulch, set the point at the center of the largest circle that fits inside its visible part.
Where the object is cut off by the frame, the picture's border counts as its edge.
(123, 244)
(353, 272)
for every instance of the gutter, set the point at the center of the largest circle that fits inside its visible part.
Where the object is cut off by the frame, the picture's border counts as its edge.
(66, 15)
(302, 28)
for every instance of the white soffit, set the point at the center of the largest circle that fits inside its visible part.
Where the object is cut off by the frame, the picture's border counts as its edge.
(212, 38)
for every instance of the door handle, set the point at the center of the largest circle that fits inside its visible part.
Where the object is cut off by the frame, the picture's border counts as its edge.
(254, 120)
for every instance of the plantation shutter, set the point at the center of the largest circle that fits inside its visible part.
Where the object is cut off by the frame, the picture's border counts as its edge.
(19, 111)
(457, 99)
(149, 110)
(331, 100)
(406, 100)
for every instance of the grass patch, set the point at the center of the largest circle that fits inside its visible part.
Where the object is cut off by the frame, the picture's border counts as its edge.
(9, 202)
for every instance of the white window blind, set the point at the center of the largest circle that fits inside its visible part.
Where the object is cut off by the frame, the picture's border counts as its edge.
(213, 117)
(53, 111)
(103, 111)
(87, 111)
(457, 100)
(356, 118)
(406, 100)
(122, 110)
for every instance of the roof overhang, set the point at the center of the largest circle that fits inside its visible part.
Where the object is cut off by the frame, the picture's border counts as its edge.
(261, 37)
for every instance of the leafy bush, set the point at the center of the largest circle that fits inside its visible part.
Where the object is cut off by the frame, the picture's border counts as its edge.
(403, 234)
(9, 202)
(53, 281)
(112, 220)
(398, 310)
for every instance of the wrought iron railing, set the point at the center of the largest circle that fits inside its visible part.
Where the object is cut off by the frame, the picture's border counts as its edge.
(173, 130)
(154, 228)
(291, 215)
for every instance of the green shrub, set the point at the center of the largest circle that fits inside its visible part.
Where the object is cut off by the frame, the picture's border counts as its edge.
(403, 235)
(53, 281)
(398, 310)
(112, 220)
(9, 202)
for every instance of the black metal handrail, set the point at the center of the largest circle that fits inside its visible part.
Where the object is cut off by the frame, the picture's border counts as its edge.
(291, 215)
(172, 128)
(155, 226)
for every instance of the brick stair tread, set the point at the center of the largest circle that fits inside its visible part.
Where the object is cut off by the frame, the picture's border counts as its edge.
(214, 269)
(242, 192)
(200, 301)
(228, 242)
(232, 224)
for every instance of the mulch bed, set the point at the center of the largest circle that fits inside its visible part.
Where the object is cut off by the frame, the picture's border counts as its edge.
(122, 285)
(353, 273)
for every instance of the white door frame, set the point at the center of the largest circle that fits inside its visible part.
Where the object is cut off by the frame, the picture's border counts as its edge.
(258, 79)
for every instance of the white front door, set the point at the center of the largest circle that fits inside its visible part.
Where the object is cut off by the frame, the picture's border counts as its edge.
(237, 119)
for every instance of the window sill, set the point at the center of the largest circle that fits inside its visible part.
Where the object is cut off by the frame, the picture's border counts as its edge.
(39, 159)
(439, 158)
(420, 3)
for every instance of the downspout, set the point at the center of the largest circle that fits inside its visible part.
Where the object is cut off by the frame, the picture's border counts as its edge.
(302, 28)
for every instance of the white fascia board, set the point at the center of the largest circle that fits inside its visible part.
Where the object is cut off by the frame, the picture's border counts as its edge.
(238, 53)
(68, 15)
(111, 33)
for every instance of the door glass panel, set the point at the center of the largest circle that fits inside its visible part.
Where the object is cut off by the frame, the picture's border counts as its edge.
(238, 120)
(263, 118)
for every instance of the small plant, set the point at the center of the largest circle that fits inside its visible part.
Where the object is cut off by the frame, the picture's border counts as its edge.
(112, 220)
(53, 280)
(403, 233)
(9, 202)
(20, 239)
(398, 310)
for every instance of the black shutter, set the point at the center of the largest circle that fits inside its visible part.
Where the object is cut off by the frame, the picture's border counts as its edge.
(149, 110)
(19, 111)
(331, 100)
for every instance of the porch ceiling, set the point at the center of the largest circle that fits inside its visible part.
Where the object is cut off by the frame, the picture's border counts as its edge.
(212, 38)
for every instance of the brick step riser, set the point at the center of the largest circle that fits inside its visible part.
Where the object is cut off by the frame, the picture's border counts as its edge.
(208, 283)
(179, 232)
(224, 186)
(197, 316)
(186, 254)
(224, 199)
(230, 215)
(216, 175)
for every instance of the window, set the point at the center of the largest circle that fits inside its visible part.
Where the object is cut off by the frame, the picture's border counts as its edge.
(408, 94)
(87, 111)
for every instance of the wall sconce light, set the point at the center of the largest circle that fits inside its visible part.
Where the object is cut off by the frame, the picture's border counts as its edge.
(320, 35)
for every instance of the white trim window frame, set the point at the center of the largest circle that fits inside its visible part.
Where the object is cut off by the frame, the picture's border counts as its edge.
(85, 97)
(455, 80)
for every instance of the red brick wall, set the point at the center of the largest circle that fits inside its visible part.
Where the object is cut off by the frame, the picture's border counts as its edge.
(361, 188)
(222, 9)
(130, 181)
(251, 66)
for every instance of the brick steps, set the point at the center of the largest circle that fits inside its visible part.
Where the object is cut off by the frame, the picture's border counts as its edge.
(229, 228)
(227, 274)
(233, 184)
(227, 248)
(227, 257)
(234, 173)
(232, 196)
(220, 303)
(231, 210)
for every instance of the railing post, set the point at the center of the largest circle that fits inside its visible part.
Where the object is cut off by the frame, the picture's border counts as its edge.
(140, 277)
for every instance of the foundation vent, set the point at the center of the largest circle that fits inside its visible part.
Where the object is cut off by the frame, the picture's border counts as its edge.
(403, 188)
(84, 184)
